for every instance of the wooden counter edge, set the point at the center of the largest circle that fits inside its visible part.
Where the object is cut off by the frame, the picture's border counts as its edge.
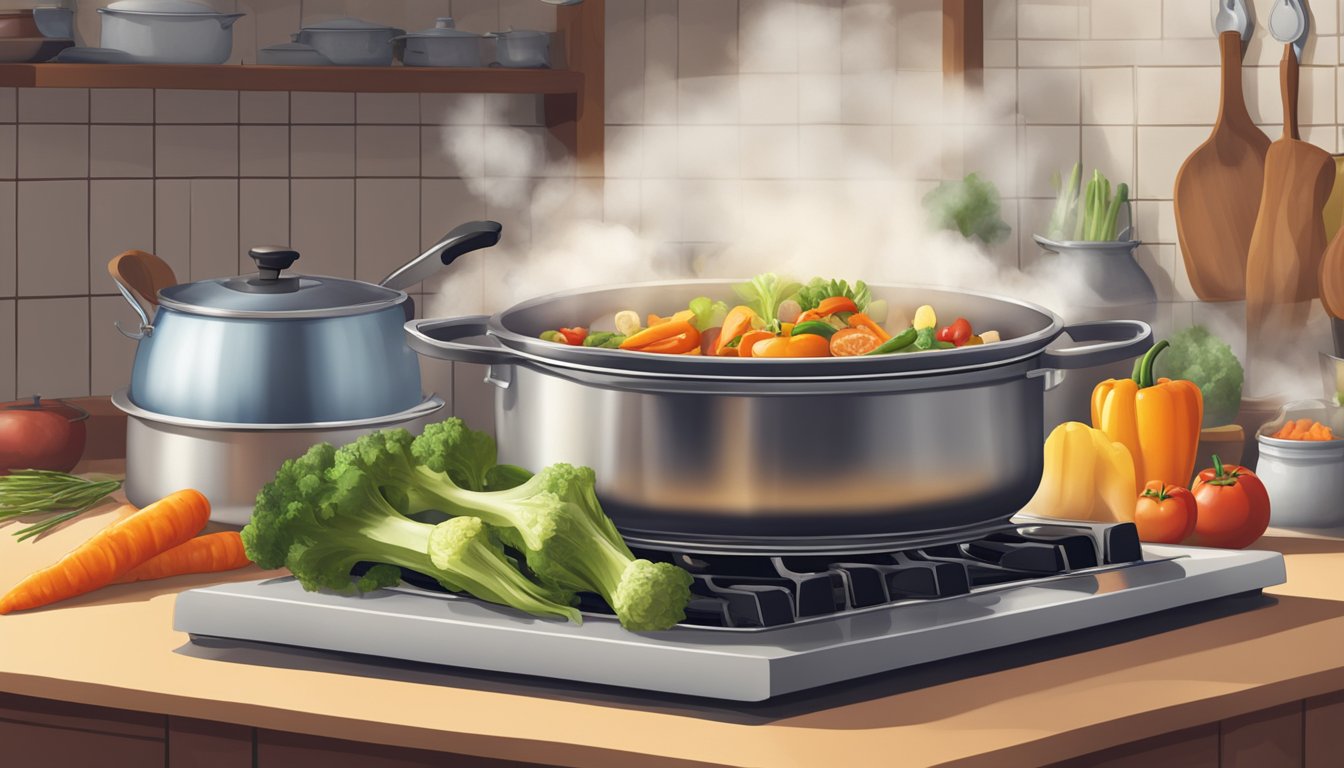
(260, 716)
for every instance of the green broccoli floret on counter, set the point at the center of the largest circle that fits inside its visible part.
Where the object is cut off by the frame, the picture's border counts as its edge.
(320, 516)
(467, 456)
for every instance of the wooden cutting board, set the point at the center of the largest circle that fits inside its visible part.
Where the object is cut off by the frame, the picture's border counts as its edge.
(1283, 266)
(1332, 277)
(1218, 190)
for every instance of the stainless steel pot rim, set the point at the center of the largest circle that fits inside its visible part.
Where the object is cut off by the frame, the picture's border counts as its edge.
(626, 362)
(801, 545)
(348, 310)
(122, 401)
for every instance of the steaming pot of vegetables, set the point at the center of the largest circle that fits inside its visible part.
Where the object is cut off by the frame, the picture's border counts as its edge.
(776, 413)
(233, 375)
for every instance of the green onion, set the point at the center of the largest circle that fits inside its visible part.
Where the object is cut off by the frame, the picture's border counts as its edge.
(37, 491)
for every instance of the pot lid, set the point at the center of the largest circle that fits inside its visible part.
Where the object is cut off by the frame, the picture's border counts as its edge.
(268, 294)
(520, 33)
(345, 24)
(162, 6)
(443, 27)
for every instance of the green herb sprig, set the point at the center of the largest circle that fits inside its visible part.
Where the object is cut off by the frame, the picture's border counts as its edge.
(37, 491)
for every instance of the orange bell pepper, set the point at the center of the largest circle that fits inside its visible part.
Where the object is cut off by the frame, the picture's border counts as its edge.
(672, 337)
(1158, 421)
(750, 339)
(860, 320)
(828, 307)
(807, 345)
(737, 322)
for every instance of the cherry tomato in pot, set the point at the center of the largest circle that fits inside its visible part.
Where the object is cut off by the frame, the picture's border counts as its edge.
(958, 333)
(573, 336)
(1165, 513)
(1233, 507)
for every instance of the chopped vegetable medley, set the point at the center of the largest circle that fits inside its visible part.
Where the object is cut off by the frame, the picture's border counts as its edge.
(781, 318)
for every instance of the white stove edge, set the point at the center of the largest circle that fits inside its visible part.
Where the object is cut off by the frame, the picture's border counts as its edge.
(748, 666)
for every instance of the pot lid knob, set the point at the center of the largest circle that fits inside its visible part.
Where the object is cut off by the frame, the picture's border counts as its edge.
(272, 259)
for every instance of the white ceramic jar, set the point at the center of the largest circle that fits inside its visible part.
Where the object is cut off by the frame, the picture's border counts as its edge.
(1304, 478)
(168, 31)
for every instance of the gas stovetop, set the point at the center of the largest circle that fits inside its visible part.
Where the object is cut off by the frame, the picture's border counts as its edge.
(763, 625)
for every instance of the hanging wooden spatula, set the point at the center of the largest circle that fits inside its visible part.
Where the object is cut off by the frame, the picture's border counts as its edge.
(1218, 188)
(1332, 277)
(1283, 266)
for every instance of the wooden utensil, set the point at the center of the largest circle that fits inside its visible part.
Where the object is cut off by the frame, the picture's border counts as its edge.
(1218, 190)
(1283, 266)
(1332, 277)
(1334, 207)
(143, 273)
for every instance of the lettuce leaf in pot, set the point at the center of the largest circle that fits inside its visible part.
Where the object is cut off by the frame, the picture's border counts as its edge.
(763, 293)
(817, 289)
(708, 313)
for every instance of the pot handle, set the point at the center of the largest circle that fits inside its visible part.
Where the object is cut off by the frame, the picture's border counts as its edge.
(443, 339)
(472, 236)
(140, 276)
(1117, 340)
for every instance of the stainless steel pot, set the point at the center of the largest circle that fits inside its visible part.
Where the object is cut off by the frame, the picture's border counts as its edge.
(442, 45)
(168, 31)
(230, 462)
(352, 42)
(831, 453)
(272, 348)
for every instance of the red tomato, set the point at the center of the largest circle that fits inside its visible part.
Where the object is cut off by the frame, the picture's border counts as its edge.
(959, 332)
(1165, 513)
(574, 336)
(1233, 507)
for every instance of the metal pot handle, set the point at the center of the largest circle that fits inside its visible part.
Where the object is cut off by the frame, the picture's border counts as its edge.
(140, 276)
(1118, 340)
(472, 236)
(443, 339)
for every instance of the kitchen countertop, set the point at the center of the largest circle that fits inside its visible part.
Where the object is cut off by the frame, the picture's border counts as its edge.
(1033, 704)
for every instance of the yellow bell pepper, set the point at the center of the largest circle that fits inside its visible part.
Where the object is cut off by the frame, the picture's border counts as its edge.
(1086, 476)
(1158, 421)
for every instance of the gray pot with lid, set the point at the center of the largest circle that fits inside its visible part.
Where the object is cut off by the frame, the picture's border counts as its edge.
(276, 347)
(442, 45)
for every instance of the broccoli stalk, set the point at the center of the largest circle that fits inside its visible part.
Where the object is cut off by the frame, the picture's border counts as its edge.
(553, 518)
(319, 517)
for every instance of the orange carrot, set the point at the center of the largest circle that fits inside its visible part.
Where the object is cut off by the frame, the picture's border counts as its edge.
(204, 554)
(113, 551)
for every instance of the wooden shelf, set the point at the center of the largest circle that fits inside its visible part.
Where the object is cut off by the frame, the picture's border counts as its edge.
(262, 78)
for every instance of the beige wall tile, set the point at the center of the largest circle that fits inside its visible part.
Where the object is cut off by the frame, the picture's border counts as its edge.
(459, 288)
(621, 203)
(1159, 263)
(624, 63)
(322, 150)
(477, 15)
(53, 347)
(1126, 20)
(53, 151)
(196, 150)
(263, 217)
(1264, 51)
(1161, 150)
(318, 107)
(272, 22)
(195, 107)
(1323, 136)
(708, 152)
(111, 354)
(706, 38)
(121, 218)
(868, 30)
(770, 99)
(53, 105)
(388, 108)
(768, 36)
(1048, 96)
(919, 34)
(1000, 53)
(452, 108)
(821, 150)
(322, 225)
(660, 63)
(1316, 96)
(526, 14)
(867, 98)
(660, 152)
(711, 209)
(8, 241)
(1047, 150)
(1000, 19)
(624, 151)
(1180, 278)
(9, 107)
(123, 151)
(7, 340)
(214, 228)
(1049, 53)
(1107, 96)
(9, 151)
(453, 150)
(708, 100)
(263, 150)
(387, 150)
(1177, 95)
(525, 152)
(263, 107)
(1155, 221)
(1049, 19)
(819, 98)
(473, 399)
(769, 151)
(121, 105)
(172, 224)
(513, 109)
(53, 238)
(1127, 53)
(821, 33)
(244, 48)
(387, 226)
(919, 97)
(1033, 215)
(1182, 18)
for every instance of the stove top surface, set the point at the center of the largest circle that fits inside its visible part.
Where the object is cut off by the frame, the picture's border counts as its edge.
(763, 625)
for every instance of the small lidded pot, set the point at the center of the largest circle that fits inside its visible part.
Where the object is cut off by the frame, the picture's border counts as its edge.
(41, 434)
(442, 45)
(350, 42)
(1304, 478)
(522, 48)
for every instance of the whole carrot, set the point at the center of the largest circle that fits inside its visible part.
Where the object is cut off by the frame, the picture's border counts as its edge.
(204, 554)
(113, 551)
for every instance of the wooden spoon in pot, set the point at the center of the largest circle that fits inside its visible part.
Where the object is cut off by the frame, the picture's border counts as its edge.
(1217, 190)
(1283, 266)
(144, 274)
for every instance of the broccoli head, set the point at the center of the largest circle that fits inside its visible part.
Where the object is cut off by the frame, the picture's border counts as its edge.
(464, 454)
(466, 547)
(1198, 356)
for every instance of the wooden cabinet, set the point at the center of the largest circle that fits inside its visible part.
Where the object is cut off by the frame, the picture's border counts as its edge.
(37, 732)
